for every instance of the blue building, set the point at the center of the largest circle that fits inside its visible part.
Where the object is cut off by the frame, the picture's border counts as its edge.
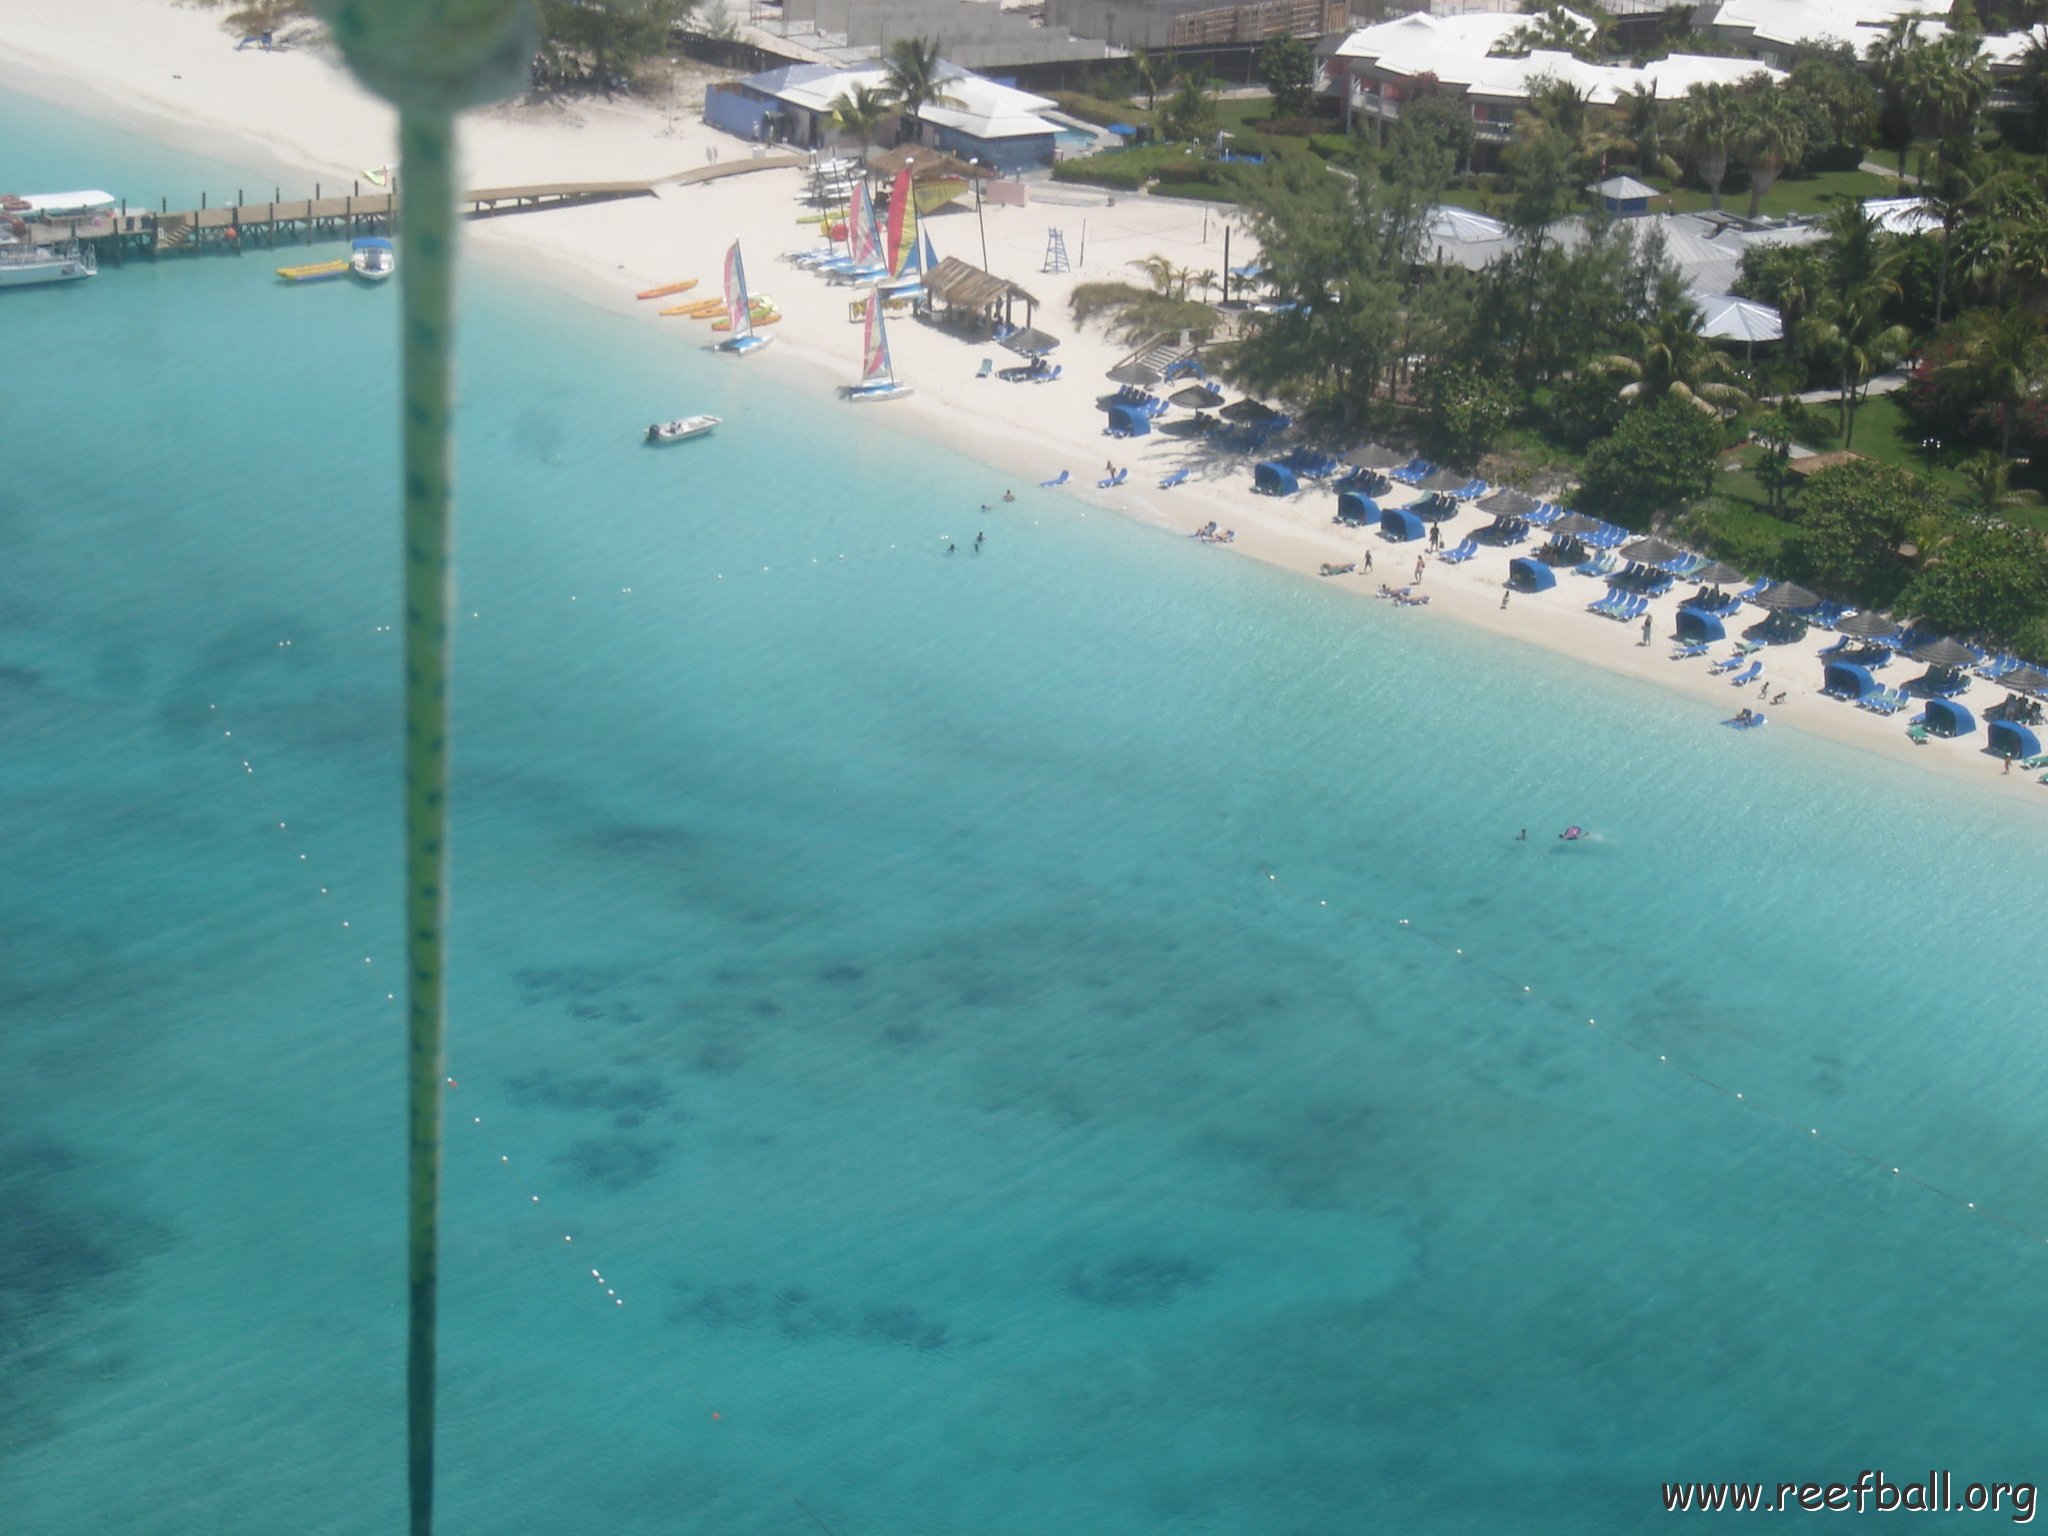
(994, 124)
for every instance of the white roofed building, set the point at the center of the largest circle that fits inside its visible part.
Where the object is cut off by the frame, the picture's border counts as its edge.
(1774, 30)
(995, 124)
(1377, 68)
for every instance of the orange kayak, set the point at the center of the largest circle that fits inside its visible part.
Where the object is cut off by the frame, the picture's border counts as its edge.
(758, 317)
(666, 289)
(696, 307)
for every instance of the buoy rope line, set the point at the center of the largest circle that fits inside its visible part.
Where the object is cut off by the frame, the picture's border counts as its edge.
(336, 909)
(1565, 1010)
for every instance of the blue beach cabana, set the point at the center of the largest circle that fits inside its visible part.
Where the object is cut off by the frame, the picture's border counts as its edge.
(1846, 680)
(1271, 479)
(1355, 509)
(1401, 525)
(2011, 739)
(1128, 421)
(1695, 626)
(1527, 575)
(1945, 717)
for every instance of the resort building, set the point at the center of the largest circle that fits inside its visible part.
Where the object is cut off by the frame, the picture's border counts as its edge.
(1777, 31)
(1001, 127)
(1377, 68)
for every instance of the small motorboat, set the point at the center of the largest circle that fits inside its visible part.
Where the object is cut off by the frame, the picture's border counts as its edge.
(372, 258)
(681, 428)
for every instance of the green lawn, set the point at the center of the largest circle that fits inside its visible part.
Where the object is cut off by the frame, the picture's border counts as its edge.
(1791, 194)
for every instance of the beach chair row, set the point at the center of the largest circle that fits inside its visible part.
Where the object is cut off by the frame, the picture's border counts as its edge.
(1618, 604)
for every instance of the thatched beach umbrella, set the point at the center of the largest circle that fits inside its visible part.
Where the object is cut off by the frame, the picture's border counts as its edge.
(2026, 680)
(1029, 342)
(1375, 456)
(1444, 480)
(1249, 412)
(1717, 573)
(1576, 523)
(1508, 503)
(1650, 551)
(1135, 373)
(1866, 626)
(1945, 653)
(1785, 597)
(1197, 397)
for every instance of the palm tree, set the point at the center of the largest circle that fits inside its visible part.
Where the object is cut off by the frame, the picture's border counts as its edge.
(1154, 72)
(916, 79)
(1554, 30)
(1707, 129)
(1672, 358)
(1894, 59)
(859, 111)
(1191, 111)
(1769, 137)
(1644, 118)
(2002, 359)
(1158, 270)
(1989, 477)
(1961, 180)
(1943, 87)
(1566, 113)
(1848, 332)
(1773, 433)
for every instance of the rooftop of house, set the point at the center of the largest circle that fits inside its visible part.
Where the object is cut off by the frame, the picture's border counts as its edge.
(980, 107)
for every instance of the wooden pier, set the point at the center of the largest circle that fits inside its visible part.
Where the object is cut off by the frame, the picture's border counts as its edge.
(239, 225)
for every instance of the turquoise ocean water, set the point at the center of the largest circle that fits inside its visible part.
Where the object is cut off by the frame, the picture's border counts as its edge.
(907, 981)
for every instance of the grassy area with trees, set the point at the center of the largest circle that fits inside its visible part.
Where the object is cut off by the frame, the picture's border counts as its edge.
(1578, 365)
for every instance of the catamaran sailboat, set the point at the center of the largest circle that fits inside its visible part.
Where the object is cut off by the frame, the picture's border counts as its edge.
(738, 310)
(877, 378)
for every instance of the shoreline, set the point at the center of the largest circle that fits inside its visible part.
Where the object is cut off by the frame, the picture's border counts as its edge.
(298, 115)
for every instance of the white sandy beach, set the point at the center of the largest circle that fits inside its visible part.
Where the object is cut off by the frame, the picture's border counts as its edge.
(172, 72)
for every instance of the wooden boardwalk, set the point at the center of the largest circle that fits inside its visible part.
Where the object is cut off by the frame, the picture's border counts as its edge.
(240, 224)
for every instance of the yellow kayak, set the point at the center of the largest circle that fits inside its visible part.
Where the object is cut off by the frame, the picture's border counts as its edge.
(666, 289)
(697, 308)
(758, 317)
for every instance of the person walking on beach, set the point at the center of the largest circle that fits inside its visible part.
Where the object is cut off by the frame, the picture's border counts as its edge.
(1418, 567)
(1505, 594)
(1646, 631)
(1368, 560)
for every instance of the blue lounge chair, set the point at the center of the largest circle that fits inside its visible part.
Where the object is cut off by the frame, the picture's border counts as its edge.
(1047, 378)
(1726, 664)
(1056, 481)
(1176, 478)
(1465, 551)
(1113, 481)
(1687, 652)
(1606, 604)
(1748, 674)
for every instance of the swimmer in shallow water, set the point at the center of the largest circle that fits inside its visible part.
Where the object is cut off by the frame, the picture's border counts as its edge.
(1570, 835)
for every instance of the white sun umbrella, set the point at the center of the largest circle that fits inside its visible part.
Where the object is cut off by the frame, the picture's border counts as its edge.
(1730, 317)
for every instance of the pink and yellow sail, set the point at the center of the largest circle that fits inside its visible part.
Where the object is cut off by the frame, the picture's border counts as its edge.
(904, 263)
(736, 316)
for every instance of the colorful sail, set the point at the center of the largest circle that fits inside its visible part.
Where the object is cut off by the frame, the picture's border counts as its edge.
(903, 247)
(874, 367)
(900, 209)
(736, 315)
(863, 244)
